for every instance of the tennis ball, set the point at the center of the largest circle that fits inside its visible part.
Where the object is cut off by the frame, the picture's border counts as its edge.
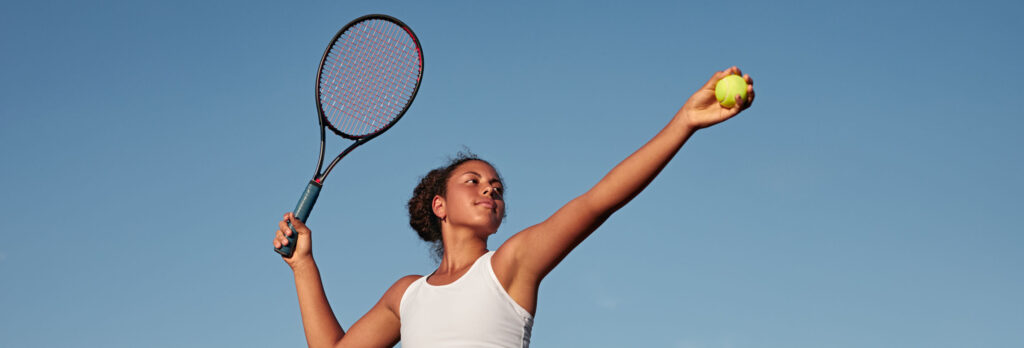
(728, 88)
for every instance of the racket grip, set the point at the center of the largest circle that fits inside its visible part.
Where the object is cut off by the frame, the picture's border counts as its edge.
(301, 212)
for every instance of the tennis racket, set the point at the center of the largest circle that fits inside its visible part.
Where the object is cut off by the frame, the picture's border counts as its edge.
(367, 79)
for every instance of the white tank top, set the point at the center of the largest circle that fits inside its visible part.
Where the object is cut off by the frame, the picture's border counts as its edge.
(472, 311)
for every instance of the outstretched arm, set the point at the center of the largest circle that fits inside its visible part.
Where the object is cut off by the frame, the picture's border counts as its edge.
(538, 249)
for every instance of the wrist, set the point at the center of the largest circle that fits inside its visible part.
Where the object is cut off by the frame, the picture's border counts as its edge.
(304, 265)
(684, 123)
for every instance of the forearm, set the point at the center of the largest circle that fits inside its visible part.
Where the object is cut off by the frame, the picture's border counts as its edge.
(633, 174)
(318, 321)
(539, 248)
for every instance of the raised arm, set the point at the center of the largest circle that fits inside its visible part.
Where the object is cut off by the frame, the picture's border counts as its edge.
(536, 250)
(377, 328)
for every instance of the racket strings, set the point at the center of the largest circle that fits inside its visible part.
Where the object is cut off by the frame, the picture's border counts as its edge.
(369, 77)
(375, 87)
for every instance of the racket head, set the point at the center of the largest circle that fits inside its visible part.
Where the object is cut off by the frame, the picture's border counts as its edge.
(368, 76)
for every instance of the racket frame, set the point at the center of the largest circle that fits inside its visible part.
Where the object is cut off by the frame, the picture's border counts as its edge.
(309, 196)
(317, 176)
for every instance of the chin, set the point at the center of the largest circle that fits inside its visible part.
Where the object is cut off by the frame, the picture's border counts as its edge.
(487, 229)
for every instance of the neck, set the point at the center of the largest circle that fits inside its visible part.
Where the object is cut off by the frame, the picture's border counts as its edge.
(461, 250)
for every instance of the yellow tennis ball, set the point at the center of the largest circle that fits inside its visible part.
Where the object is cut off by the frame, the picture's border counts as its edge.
(728, 88)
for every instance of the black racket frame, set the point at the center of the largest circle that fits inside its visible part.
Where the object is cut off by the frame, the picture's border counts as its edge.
(324, 124)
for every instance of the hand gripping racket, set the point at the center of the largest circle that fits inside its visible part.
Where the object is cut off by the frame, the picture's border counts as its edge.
(368, 77)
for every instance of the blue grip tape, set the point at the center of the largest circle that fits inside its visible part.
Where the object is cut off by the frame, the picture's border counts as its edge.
(302, 210)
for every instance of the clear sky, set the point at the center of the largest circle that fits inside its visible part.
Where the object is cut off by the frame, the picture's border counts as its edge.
(870, 198)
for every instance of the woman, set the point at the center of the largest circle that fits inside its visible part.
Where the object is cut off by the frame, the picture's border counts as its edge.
(478, 297)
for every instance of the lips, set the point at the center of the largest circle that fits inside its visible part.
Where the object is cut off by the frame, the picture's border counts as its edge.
(486, 203)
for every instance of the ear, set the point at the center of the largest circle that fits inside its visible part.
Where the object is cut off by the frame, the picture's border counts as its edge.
(438, 206)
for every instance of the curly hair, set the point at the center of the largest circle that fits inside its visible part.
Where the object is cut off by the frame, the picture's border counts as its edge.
(421, 212)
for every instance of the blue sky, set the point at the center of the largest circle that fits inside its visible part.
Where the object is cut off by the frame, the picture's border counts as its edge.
(870, 198)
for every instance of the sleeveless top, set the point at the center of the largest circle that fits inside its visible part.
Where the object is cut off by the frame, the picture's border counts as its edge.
(473, 311)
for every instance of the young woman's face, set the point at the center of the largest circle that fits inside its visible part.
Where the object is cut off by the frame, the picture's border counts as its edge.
(474, 197)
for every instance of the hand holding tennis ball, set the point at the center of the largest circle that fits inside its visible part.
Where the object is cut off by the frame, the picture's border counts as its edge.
(728, 88)
(715, 101)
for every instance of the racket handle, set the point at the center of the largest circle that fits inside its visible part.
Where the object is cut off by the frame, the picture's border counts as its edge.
(301, 212)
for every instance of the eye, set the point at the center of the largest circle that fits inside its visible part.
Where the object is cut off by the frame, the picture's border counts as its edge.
(473, 181)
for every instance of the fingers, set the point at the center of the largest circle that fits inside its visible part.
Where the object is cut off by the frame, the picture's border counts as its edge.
(718, 75)
(750, 92)
(742, 103)
(297, 226)
(750, 97)
(733, 70)
(279, 239)
(282, 226)
(284, 231)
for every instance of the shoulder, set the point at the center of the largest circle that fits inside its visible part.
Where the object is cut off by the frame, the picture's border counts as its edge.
(398, 288)
(506, 260)
(393, 296)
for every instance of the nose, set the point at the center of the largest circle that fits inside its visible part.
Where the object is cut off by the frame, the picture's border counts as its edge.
(489, 191)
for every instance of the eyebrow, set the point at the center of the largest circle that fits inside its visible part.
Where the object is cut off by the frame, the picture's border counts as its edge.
(478, 174)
